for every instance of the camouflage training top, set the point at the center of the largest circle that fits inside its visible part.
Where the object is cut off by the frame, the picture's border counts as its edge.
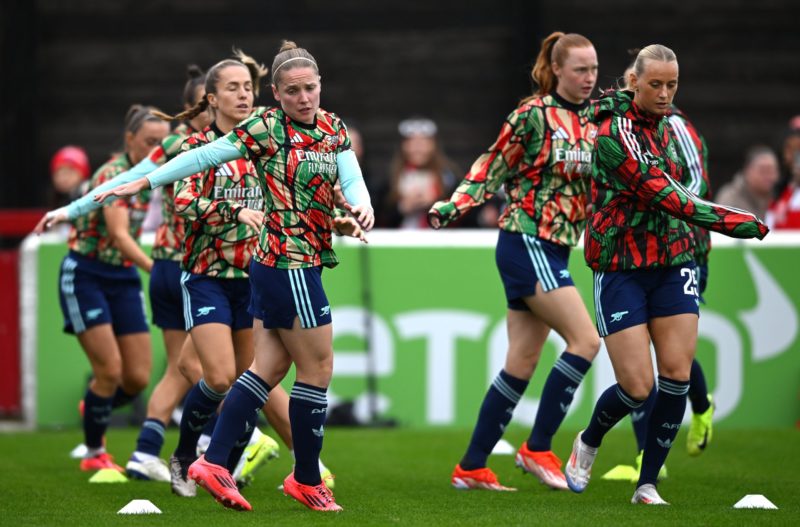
(694, 158)
(639, 206)
(216, 244)
(297, 170)
(168, 244)
(89, 234)
(543, 157)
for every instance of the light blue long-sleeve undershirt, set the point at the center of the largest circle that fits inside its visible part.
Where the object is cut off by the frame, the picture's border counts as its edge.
(353, 187)
(201, 159)
(222, 151)
(195, 161)
(86, 204)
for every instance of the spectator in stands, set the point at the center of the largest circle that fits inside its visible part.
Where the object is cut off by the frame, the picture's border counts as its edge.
(356, 141)
(751, 188)
(420, 174)
(784, 212)
(69, 172)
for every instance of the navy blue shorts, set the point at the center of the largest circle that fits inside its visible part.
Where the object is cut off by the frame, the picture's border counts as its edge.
(166, 297)
(92, 293)
(624, 299)
(207, 299)
(524, 260)
(280, 295)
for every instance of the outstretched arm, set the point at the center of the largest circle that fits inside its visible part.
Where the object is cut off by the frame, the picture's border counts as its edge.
(89, 202)
(192, 162)
(490, 170)
(653, 186)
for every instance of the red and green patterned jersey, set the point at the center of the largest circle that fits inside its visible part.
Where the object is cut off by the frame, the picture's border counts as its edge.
(543, 158)
(89, 234)
(639, 206)
(694, 158)
(215, 243)
(168, 244)
(296, 163)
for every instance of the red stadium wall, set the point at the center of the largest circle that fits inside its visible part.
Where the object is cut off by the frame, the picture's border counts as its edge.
(15, 224)
(9, 334)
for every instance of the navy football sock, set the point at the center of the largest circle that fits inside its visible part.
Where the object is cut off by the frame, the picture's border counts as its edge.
(613, 405)
(495, 414)
(665, 421)
(121, 398)
(559, 389)
(96, 414)
(208, 429)
(698, 390)
(200, 406)
(307, 412)
(151, 437)
(238, 419)
(640, 417)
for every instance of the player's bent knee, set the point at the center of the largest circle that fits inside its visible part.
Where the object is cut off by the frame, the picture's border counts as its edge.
(108, 375)
(637, 389)
(220, 383)
(136, 383)
(586, 348)
(675, 372)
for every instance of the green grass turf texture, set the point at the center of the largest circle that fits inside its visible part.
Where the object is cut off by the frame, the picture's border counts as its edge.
(402, 477)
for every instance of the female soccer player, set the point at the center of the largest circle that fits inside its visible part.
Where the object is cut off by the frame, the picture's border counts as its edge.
(101, 295)
(543, 156)
(640, 248)
(300, 151)
(222, 207)
(165, 296)
(693, 156)
(144, 462)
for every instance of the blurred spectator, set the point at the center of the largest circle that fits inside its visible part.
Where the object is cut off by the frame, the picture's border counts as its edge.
(751, 189)
(69, 173)
(420, 174)
(356, 143)
(784, 213)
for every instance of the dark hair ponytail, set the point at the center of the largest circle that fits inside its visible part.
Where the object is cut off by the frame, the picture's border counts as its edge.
(196, 78)
(137, 115)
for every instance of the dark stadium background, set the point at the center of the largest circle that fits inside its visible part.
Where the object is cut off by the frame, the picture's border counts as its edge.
(71, 68)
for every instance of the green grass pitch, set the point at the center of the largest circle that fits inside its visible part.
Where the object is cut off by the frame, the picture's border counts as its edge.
(401, 477)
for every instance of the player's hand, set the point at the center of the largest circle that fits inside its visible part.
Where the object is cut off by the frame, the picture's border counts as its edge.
(441, 214)
(52, 218)
(434, 220)
(435, 215)
(128, 189)
(363, 214)
(251, 218)
(349, 227)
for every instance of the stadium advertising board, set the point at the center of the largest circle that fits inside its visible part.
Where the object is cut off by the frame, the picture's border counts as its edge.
(431, 307)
